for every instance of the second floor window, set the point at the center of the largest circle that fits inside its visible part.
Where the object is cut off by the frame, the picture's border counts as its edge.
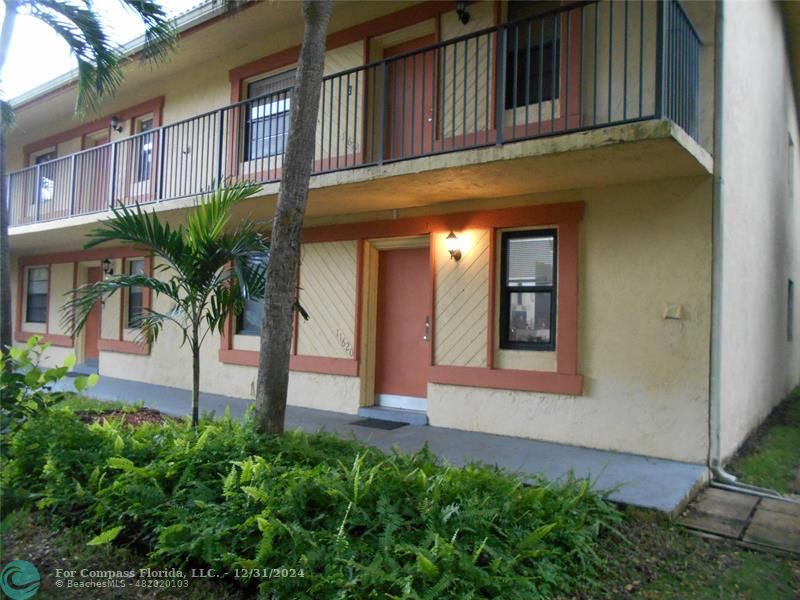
(36, 297)
(533, 57)
(135, 294)
(144, 149)
(268, 115)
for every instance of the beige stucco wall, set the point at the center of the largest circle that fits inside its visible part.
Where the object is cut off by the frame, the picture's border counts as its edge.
(642, 247)
(328, 293)
(462, 300)
(645, 377)
(170, 364)
(54, 355)
(60, 284)
(760, 221)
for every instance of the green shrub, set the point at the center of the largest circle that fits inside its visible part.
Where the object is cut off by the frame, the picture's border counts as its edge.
(358, 523)
(26, 388)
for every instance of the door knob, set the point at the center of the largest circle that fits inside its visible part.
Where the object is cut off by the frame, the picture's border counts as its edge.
(427, 335)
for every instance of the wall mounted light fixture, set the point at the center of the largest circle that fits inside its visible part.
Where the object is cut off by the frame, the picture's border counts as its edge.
(108, 269)
(461, 11)
(115, 124)
(453, 245)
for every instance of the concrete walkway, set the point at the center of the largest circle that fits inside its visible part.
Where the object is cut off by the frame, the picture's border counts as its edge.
(652, 483)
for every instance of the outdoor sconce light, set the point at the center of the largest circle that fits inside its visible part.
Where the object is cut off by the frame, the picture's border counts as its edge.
(115, 124)
(461, 11)
(107, 268)
(453, 245)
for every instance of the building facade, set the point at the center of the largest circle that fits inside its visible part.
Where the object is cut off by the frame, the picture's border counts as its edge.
(514, 224)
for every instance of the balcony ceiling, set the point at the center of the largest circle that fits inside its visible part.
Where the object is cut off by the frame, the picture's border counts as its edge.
(623, 154)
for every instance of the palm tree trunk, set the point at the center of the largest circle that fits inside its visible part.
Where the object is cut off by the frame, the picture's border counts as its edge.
(195, 379)
(284, 255)
(5, 251)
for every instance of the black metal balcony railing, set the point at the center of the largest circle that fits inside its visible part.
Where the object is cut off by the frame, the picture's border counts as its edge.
(588, 65)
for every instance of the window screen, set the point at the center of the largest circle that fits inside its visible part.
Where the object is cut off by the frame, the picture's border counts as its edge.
(135, 294)
(533, 57)
(528, 290)
(268, 114)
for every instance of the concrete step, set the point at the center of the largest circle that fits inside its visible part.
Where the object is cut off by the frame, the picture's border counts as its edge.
(398, 415)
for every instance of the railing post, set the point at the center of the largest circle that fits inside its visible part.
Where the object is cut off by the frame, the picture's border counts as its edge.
(72, 185)
(160, 190)
(500, 74)
(112, 180)
(382, 141)
(661, 56)
(38, 192)
(220, 145)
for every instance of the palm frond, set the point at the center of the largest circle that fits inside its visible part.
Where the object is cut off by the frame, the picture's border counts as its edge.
(81, 300)
(160, 35)
(142, 229)
(98, 58)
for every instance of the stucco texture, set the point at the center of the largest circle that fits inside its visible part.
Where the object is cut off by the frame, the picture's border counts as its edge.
(646, 377)
(760, 222)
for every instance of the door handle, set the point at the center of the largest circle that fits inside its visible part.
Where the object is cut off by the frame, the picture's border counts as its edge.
(427, 335)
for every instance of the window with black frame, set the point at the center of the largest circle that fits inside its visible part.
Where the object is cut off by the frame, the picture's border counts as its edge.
(36, 296)
(533, 56)
(144, 149)
(267, 115)
(528, 289)
(135, 294)
(249, 321)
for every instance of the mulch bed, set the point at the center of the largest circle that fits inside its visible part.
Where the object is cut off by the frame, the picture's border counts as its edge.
(133, 419)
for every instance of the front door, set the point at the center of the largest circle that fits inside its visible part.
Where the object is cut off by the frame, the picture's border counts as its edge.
(410, 97)
(92, 328)
(403, 331)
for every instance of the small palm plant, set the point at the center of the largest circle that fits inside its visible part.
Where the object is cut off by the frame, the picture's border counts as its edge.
(206, 270)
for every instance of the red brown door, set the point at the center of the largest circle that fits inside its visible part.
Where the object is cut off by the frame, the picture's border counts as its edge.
(403, 332)
(92, 328)
(410, 99)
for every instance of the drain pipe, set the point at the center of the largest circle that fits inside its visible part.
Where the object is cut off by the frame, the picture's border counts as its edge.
(720, 478)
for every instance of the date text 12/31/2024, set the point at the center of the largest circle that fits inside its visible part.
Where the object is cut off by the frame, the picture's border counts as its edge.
(147, 573)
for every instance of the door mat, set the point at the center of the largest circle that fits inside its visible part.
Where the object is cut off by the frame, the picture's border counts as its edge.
(379, 424)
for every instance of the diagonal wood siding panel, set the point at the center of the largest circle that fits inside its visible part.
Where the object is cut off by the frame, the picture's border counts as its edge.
(462, 301)
(328, 293)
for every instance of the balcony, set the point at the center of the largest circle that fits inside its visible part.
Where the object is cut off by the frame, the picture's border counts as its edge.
(582, 67)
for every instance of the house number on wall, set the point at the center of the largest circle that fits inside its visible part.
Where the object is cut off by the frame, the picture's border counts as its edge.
(344, 342)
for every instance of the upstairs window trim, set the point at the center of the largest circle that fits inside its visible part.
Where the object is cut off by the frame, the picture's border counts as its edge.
(143, 146)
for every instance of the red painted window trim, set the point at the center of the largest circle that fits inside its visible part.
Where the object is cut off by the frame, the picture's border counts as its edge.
(298, 362)
(109, 345)
(566, 216)
(363, 31)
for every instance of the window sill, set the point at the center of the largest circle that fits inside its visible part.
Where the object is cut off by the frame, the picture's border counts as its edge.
(63, 341)
(122, 346)
(508, 379)
(306, 364)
